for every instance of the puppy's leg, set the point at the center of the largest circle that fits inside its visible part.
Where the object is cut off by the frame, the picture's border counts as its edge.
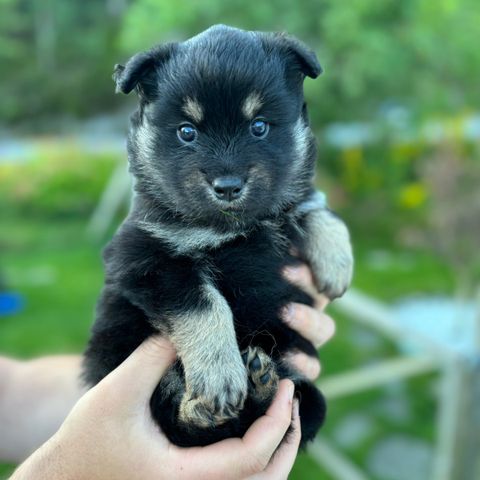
(329, 252)
(215, 376)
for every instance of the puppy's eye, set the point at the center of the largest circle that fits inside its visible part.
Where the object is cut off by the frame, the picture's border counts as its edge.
(187, 133)
(259, 128)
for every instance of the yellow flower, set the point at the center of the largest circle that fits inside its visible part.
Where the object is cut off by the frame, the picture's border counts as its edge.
(412, 195)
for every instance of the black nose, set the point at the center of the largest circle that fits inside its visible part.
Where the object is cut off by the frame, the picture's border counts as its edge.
(228, 188)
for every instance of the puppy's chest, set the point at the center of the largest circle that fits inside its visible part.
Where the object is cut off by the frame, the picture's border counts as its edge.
(248, 267)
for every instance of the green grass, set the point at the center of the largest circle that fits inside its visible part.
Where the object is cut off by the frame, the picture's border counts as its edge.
(60, 275)
(59, 312)
(6, 470)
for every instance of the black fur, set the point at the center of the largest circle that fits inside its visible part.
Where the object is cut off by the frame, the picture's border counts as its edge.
(154, 276)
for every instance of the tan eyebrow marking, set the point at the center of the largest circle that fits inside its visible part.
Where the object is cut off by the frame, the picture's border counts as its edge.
(193, 109)
(252, 105)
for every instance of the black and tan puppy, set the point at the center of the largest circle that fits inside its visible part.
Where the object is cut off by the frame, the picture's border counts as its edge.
(223, 160)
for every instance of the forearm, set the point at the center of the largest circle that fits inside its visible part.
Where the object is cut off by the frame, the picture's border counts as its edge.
(35, 398)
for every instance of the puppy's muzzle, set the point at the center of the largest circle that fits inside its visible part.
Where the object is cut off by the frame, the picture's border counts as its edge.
(228, 188)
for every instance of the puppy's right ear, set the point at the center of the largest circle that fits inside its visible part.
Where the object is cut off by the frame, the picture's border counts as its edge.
(141, 71)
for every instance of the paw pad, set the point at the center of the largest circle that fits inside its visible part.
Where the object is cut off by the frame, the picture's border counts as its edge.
(261, 372)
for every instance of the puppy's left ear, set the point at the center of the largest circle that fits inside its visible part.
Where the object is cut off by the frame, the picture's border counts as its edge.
(298, 54)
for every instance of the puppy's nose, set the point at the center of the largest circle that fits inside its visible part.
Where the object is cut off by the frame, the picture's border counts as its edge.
(228, 188)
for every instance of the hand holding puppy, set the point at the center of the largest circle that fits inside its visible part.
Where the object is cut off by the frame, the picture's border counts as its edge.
(110, 434)
(310, 322)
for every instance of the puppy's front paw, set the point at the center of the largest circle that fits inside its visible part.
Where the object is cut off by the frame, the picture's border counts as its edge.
(213, 396)
(333, 273)
(262, 374)
(330, 253)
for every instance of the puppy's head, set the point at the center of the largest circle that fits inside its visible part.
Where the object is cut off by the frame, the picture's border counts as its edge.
(221, 133)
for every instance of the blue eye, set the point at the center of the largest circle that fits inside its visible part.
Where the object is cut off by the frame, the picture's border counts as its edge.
(259, 128)
(187, 133)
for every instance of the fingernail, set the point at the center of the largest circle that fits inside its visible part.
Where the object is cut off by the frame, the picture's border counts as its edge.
(290, 391)
(288, 313)
(296, 409)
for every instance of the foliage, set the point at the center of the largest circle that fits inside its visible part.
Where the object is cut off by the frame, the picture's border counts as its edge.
(418, 53)
(452, 176)
(57, 57)
(61, 183)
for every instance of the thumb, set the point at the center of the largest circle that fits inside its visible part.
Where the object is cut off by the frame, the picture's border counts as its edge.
(135, 379)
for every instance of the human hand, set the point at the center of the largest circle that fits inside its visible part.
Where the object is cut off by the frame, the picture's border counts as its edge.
(110, 434)
(310, 322)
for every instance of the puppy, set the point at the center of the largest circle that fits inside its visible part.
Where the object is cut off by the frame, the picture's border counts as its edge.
(223, 160)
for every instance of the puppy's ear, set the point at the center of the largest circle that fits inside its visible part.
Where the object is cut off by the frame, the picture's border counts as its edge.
(299, 55)
(141, 71)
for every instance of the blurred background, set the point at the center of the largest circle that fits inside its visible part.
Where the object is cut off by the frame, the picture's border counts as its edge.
(397, 118)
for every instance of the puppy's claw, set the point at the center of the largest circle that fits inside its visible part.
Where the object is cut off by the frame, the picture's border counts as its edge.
(206, 413)
(333, 280)
(214, 396)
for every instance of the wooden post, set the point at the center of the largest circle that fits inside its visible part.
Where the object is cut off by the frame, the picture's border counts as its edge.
(458, 446)
(334, 462)
(117, 192)
(449, 420)
(458, 456)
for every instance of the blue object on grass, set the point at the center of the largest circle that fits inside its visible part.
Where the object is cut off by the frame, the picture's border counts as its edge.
(10, 303)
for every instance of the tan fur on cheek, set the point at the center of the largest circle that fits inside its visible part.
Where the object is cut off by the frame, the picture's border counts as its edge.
(193, 109)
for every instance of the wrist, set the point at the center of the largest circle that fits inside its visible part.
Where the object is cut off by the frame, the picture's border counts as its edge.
(51, 461)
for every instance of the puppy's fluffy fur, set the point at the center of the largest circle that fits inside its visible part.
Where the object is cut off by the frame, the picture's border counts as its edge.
(206, 270)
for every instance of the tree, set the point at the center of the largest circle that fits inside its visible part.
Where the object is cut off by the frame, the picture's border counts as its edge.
(418, 53)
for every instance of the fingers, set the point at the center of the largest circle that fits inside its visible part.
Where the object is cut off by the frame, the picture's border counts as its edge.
(310, 323)
(321, 301)
(284, 458)
(251, 454)
(299, 274)
(315, 326)
(136, 378)
(308, 366)
(302, 276)
(266, 433)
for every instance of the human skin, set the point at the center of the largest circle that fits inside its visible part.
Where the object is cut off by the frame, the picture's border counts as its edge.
(36, 396)
(110, 434)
